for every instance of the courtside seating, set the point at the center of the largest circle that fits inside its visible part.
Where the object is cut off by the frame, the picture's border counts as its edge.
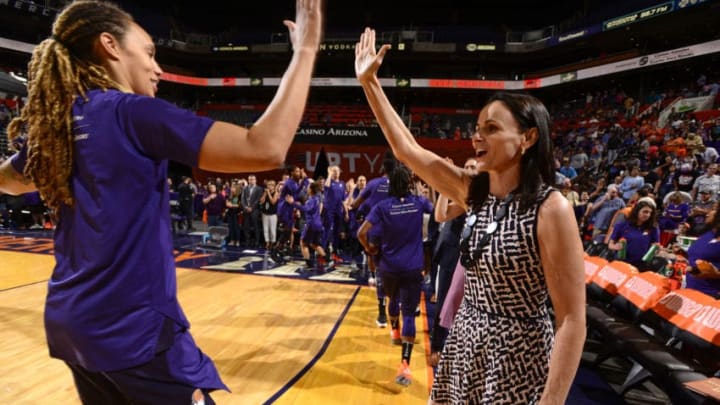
(606, 281)
(670, 336)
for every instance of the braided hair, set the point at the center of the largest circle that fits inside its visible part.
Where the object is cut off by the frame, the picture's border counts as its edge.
(62, 68)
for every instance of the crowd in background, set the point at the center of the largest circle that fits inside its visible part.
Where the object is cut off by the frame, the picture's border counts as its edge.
(610, 152)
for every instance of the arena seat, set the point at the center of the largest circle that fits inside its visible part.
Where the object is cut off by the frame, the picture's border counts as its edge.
(671, 337)
(605, 283)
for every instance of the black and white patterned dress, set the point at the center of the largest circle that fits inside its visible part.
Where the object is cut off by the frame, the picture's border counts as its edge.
(499, 346)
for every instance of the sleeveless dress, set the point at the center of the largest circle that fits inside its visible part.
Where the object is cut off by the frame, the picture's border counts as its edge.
(498, 351)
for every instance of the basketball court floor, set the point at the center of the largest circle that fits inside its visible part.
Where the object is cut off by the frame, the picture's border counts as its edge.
(277, 336)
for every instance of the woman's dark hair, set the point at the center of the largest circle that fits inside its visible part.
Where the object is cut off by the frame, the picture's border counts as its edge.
(400, 182)
(635, 213)
(537, 162)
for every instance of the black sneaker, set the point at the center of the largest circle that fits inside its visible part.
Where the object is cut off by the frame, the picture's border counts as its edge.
(381, 321)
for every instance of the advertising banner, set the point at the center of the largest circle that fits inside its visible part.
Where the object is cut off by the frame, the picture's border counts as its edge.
(354, 160)
(687, 3)
(637, 16)
(340, 135)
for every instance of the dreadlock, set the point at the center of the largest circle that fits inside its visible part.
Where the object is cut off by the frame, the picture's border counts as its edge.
(63, 67)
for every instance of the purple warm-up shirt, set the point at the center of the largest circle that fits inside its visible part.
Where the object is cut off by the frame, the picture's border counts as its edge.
(375, 191)
(398, 224)
(114, 283)
(334, 196)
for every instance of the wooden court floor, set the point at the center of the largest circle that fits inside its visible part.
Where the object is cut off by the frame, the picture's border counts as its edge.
(274, 340)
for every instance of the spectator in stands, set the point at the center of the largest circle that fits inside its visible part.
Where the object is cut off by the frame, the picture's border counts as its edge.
(250, 201)
(710, 154)
(214, 206)
(603, 209)
(232, 213)
(667, 182)
(686, 173)
(186, 196)
(567, 170)
(97, 149)
(699, 211)
(579, 160)
(268, 209)
(568, 190)
(580, 209)
(640, 232)
(652, 180)
(598, 190)
(616, 171)
(704, 257)
(511, 194)
(676, 212)
(596, 153)
(709, 181)
(694, 144)
(631, 183)
(613, 145)
(559, 178)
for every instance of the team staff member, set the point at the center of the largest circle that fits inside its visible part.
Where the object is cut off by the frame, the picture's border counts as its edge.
(520, 245)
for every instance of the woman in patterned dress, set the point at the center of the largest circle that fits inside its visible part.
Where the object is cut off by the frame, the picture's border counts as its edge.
(521, 247)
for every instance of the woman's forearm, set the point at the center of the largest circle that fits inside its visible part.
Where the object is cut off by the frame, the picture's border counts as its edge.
(564, 361)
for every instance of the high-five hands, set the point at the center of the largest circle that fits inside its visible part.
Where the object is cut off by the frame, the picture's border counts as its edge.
(367, 60)
(306, 31)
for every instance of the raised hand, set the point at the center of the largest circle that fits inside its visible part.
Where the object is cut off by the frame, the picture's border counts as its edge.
(306, 30)
(705, 269)
(367, 60)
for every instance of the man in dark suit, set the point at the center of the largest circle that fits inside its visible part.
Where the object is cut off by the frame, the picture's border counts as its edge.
(250, 200)
(186, 195)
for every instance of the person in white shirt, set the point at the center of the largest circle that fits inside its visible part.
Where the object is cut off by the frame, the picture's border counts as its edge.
(709, 181)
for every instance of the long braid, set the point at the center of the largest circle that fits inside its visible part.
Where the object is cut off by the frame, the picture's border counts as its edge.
(62, 68)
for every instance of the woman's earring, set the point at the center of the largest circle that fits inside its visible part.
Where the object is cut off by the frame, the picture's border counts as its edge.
(522, 150)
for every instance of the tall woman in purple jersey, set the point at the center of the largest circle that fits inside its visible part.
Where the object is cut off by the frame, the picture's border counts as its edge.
(520, 244)
(97, 148)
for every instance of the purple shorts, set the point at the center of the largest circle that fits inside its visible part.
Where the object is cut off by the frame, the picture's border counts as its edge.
(311, 237)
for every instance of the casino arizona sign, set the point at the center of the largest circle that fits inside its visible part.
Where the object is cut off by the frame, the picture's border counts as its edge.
(340, 135)
(333, 131)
